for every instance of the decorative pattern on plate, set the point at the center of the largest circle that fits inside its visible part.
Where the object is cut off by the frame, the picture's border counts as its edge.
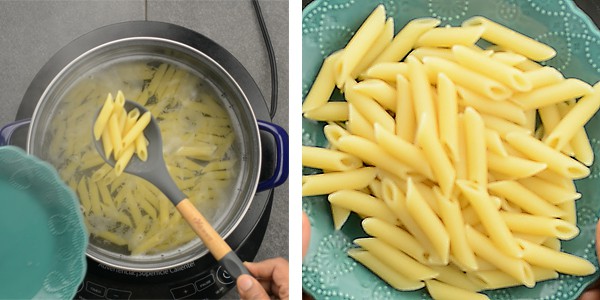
(509, 10)
(595, 169)
(559, 23)
(66, 268)
(331, 256)
(547, 7)
(448, 10)
(561, 42)
(592, 52)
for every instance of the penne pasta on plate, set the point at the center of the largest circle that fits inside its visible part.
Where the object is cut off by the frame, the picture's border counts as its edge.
(467, 155)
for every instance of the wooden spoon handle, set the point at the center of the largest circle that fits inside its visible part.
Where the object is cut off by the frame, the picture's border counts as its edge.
(213, 241)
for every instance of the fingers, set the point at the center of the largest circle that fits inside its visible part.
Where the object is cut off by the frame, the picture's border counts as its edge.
(598, 238)
(268, 268)
(590, 295)
(592, 292)
(250, 289)
(305, 233)
(273, 274)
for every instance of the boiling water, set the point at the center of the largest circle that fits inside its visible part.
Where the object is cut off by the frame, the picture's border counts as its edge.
(126, 214)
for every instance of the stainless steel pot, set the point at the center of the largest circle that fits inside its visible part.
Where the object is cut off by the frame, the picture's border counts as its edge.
(247, 144)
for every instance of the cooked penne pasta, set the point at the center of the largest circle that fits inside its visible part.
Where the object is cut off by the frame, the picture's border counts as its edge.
(405, 114)
(569, 212)
(406, 38)
(511, 40)
(432, 148)
(141, 149)
(330, 111)
(358, 45)
(512, 166)
(115, 135)
(392, 277)
(368, 107)
(495, 279)
(539, 225)
(387, 71)
(359, 125)
(452, 275)
(452, 217)
(543, 76)
(339, 215)
(582, 147)
(448, 116)
(103, 117)
(408, 153)
(524, 198)
(202, 151)
(396, 202)
(421, 94)
(467, 78)
(501, 109)
(460, 165)
(555, 260)
(552, 94)
(320, 184)
(475, 147)
(396, 237)
(402, 263)
(494, 143)
(487, 66)
(450, 36)
(580, 144)
(508, 58)
(330, 160)
(430, 110)
(490, 218)
(333, 133)
(538, 151)
(550, 192)
(373, 154)
(428, 221)
(132, 116)
(323, 85)
(383, 41)
(516, 268)
(136, 130)
(363, 204)
(380, 91)
(422, 52)
(574, 120)
(502, 126)
(443, 291)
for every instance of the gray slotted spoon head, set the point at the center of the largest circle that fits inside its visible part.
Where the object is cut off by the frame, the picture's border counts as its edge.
(155, 171)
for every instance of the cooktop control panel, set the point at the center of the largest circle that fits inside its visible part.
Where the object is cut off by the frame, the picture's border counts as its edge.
(208, 285)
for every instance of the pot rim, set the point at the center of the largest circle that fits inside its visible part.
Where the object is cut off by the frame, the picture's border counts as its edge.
(241, 213)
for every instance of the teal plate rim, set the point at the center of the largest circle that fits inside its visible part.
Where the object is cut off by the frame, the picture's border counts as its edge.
(327, 271)
(65, 223)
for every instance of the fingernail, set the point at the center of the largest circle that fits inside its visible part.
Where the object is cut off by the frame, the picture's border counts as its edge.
(245, 283)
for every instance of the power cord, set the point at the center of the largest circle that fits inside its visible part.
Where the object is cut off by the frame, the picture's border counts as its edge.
(272, 60)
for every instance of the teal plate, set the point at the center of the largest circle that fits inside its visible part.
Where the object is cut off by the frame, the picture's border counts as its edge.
(327, 25)
(42, 234)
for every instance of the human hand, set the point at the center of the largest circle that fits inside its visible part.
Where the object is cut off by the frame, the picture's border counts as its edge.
(271, 277)
(305, 233)
(593, 291)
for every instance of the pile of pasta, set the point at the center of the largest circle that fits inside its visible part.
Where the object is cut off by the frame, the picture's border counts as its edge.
(436, 147)
(126, 213)
(121, 132)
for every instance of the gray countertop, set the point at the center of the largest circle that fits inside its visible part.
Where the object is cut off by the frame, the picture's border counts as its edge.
(32, 31)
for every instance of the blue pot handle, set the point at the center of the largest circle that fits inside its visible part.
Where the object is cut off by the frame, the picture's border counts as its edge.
(280, 174)
(7, 131)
